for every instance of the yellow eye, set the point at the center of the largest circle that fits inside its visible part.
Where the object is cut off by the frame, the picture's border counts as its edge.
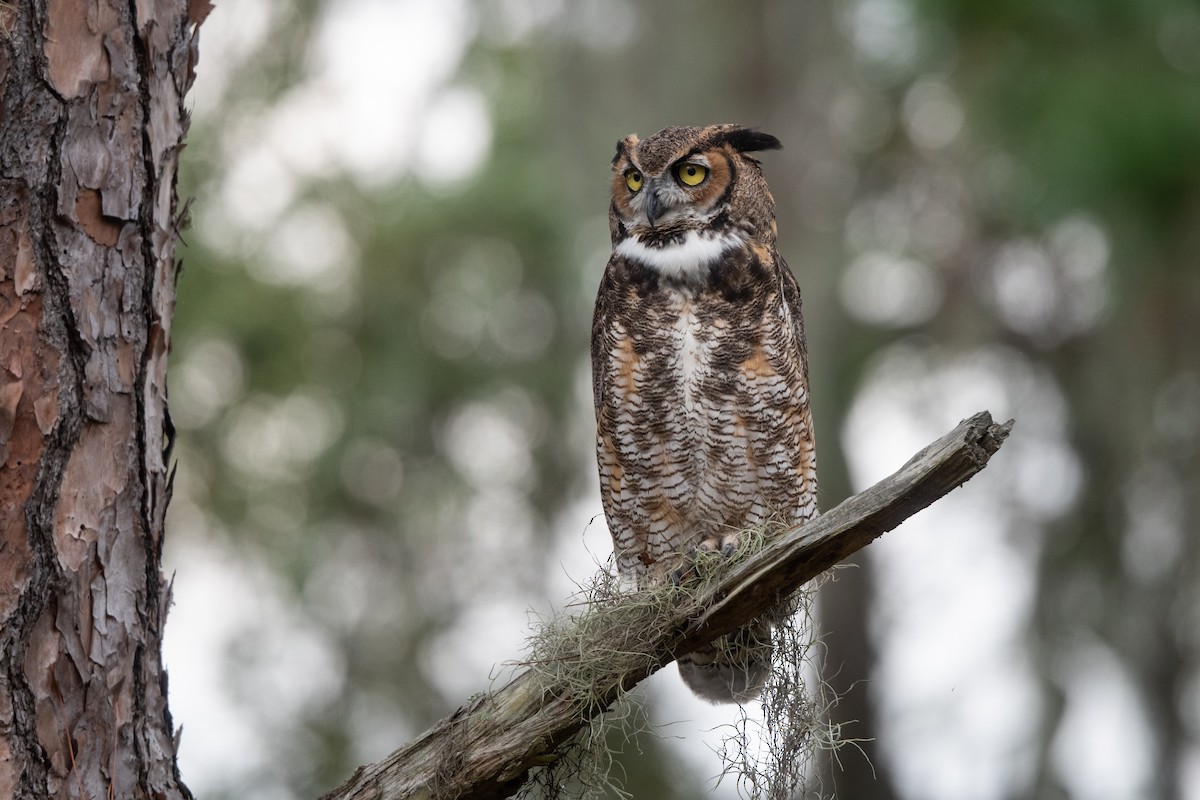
(633, 179)
(691, 174)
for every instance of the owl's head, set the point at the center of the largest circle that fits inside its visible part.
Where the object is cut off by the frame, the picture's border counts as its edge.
(691, 179)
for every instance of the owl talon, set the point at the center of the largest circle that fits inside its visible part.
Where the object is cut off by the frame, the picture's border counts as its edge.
(687, 569)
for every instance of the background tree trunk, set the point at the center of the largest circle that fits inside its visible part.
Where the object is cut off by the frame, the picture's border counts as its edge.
(92, 121)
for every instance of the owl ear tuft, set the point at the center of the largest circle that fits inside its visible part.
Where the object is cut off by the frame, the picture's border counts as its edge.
(624, 146)
(749, 140)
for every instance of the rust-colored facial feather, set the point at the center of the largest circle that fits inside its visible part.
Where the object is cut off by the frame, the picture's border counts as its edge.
(717, 163)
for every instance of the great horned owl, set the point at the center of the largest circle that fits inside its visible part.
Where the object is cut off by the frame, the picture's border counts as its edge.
(700, 373)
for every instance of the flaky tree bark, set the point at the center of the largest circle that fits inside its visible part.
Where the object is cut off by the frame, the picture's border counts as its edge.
(91, 126)
(485, 749)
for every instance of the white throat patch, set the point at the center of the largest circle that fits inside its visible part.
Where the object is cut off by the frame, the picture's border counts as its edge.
(687, 259)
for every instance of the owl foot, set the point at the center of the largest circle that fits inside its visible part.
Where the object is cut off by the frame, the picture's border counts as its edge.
(726, 545)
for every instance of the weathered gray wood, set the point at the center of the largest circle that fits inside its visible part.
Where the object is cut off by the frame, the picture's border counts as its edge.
(486, 748)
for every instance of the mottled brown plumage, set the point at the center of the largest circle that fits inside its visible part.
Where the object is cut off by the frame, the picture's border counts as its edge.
(699, 372)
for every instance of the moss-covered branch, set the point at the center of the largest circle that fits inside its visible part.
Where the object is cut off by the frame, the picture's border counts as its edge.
(486, 748)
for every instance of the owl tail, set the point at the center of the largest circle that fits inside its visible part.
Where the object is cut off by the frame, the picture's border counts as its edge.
(733, 669)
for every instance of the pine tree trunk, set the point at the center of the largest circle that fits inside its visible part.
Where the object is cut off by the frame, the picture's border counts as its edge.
(91, 126)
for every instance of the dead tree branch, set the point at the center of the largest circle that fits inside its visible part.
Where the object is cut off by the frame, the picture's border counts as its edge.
(486, 748)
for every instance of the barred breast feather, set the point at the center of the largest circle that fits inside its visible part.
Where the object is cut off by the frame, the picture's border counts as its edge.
(702, 409)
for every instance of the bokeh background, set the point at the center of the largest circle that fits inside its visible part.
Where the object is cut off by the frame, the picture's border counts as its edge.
(380, 371)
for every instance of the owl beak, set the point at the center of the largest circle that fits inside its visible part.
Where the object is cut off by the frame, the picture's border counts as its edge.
(651, 206)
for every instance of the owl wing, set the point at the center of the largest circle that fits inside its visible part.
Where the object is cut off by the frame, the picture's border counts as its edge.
(800, 496)
(601, 339)
(613, 383)
(791, 305)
